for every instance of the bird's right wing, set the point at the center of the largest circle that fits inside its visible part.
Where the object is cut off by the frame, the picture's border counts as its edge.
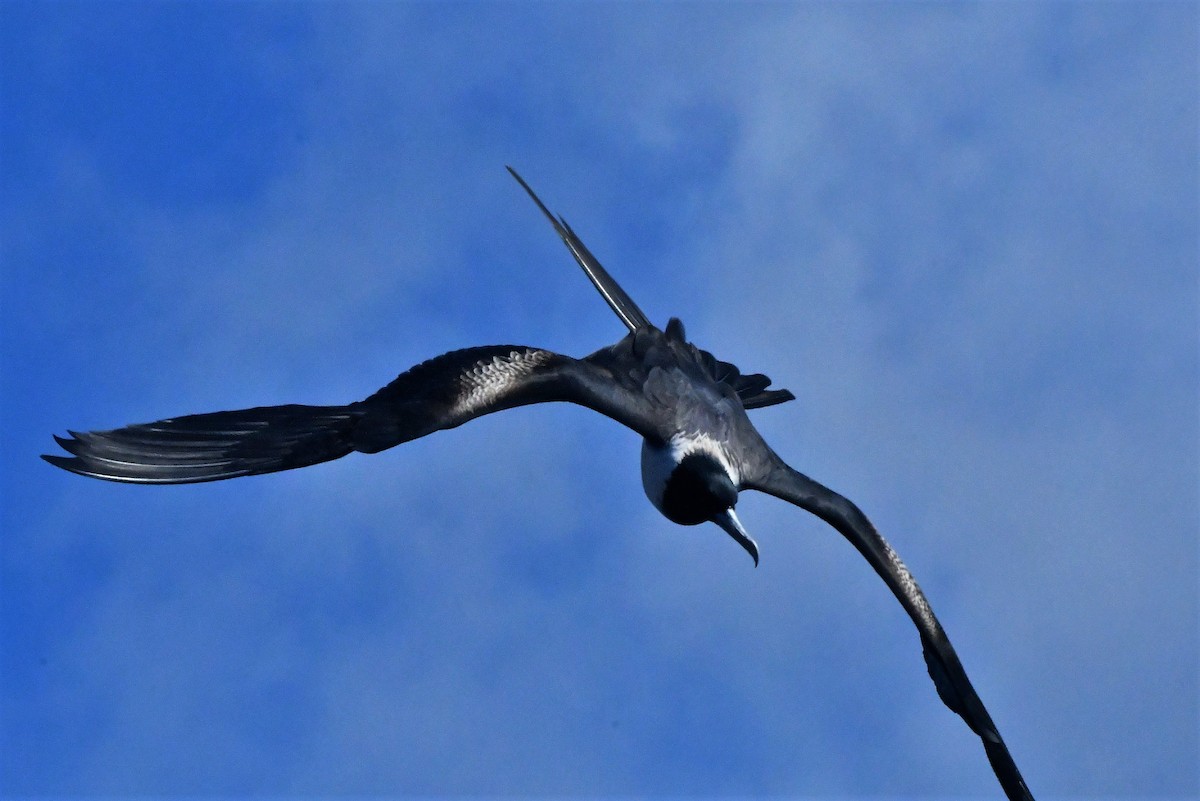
(618, 300)
(441, 393)
(953, 686)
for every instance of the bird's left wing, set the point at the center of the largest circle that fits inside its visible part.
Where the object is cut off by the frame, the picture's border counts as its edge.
(778, 479)
(459, 386)
(441, 393)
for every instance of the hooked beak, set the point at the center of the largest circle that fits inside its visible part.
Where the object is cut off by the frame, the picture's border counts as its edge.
(733, 527)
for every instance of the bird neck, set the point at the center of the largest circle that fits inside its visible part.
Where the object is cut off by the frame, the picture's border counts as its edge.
(689, 479)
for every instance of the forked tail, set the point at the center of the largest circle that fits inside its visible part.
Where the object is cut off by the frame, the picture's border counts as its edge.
(609, 289)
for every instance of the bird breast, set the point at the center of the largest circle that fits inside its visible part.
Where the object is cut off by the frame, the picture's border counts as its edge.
(659, 463)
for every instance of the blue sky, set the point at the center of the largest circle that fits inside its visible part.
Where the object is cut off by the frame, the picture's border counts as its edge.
(965, 236)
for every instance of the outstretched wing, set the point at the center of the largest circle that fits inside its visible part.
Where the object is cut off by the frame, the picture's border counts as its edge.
(611, 291)
(945, 669)
(210, 447)
(438, 394)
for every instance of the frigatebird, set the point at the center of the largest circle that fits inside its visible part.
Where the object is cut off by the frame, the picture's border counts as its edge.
(699, 447)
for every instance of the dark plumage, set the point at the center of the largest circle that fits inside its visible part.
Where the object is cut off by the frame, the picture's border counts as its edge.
(699, 447)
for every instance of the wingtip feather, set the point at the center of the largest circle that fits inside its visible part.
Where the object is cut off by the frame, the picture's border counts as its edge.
(58, 461)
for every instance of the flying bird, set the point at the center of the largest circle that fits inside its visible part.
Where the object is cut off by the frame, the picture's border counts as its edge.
(699, 448)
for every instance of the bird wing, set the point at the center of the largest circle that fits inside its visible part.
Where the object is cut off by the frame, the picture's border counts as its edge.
(210, 447)
(752, 389)
(953, 686)
(441, 393)
(610, 290)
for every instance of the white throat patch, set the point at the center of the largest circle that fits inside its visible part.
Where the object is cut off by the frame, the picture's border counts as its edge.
(659, 462)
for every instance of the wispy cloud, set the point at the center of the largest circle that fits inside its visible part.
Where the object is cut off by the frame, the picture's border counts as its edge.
(965, 237)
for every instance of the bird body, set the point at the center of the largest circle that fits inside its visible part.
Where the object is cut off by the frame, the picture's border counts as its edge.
(700, 448)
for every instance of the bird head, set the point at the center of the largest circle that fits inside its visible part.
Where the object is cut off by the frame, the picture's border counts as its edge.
(693, 488)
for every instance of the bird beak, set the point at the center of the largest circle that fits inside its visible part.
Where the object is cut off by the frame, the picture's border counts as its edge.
(733, 527)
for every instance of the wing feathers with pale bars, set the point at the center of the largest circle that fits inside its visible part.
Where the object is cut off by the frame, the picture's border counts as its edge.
(437, 394)
(949, 677)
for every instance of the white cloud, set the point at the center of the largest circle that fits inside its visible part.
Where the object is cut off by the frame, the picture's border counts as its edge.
(929, 223)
